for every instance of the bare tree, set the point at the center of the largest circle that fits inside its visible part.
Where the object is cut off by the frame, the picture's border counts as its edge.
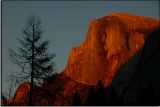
(32, 57)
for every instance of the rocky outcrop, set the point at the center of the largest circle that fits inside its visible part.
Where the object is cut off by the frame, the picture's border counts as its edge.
(21, 95)
(110, 42)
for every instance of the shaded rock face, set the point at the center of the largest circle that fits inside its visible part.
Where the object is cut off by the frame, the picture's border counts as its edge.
(110, 42)
(144, 83)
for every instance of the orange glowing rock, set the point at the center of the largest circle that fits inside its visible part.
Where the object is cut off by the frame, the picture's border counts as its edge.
(21, 95)
(110, 42)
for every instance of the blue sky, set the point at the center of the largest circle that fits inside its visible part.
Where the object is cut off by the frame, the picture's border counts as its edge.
(65, 24)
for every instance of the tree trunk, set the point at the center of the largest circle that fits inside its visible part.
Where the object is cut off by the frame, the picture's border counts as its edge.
(32, 72)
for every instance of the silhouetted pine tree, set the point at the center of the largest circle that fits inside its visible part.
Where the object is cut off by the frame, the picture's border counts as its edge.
(100, 94)
(91, 98)
(76, 100)
(32, 56)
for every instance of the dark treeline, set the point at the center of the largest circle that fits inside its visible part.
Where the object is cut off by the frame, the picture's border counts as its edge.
(100, 96)
(107, 96)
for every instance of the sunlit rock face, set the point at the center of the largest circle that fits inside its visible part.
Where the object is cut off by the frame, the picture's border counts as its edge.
(110, 42)
(21, 95)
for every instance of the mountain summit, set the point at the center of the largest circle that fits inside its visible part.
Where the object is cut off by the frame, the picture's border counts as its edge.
(110, 42)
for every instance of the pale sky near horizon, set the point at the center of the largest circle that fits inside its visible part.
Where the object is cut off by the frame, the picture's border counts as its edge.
(65, 24)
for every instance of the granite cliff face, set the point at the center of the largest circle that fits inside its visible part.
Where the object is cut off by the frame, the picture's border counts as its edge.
(110, 42)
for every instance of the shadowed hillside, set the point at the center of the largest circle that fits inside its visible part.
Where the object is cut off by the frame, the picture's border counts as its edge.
(138, 79)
